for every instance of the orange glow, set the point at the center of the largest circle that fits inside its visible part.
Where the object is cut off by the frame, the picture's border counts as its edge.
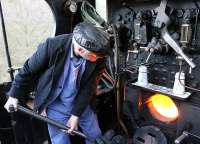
(163, 108)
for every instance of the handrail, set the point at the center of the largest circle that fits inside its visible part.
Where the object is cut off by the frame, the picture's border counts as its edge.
(6, 44)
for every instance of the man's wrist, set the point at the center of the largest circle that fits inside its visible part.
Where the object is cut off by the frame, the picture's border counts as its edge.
(75, 117)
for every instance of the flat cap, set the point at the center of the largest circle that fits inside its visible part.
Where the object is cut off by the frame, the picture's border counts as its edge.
(92, 38)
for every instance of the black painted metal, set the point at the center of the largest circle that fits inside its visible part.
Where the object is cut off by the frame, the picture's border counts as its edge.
(63, 20)
(149, 135)
(162, 65)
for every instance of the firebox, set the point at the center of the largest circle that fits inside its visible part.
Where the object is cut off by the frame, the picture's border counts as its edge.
(159, 118)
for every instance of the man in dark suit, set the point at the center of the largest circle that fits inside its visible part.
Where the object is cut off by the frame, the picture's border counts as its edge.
(67, 68)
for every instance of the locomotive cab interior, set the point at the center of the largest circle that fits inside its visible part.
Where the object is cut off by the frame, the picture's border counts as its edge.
(150, 90)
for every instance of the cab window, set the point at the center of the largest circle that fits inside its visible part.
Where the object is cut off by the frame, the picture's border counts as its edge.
(27, 22)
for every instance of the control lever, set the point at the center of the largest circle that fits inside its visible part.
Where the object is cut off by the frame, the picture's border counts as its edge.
(169, 40)
(181, 137)
(162, 17)
(151, 47)
(148, 57)
(186, 135)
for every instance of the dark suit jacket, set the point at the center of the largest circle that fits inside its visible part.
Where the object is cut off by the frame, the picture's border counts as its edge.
(46, 65)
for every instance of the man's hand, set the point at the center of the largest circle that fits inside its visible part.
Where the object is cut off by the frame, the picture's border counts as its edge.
(11, 102)
(72, 123)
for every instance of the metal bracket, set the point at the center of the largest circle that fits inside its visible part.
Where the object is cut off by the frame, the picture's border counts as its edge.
(164, 90)
(162, 17)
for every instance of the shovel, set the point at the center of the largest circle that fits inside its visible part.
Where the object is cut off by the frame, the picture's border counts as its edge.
(47, 120)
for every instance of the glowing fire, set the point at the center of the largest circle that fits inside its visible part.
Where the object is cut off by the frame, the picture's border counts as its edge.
(163, 108)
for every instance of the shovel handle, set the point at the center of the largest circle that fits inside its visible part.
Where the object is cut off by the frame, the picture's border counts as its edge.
(47, 120)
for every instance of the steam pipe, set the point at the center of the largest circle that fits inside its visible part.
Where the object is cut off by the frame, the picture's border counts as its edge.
(117, 78)
(10, 70)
